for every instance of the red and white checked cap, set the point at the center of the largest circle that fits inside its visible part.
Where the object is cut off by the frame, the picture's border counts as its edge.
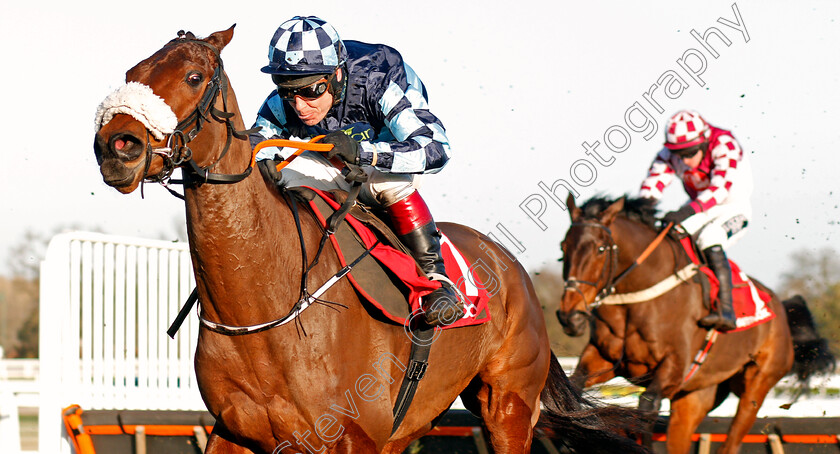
(685, 129)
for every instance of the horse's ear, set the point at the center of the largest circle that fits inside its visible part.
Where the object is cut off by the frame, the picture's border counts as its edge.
(574, 211)
(607, 216)
(221, 39)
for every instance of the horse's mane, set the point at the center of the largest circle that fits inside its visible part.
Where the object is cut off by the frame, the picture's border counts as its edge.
(638, 209)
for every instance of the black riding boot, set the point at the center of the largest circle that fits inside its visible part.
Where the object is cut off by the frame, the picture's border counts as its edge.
(723, 319)
(442, 306)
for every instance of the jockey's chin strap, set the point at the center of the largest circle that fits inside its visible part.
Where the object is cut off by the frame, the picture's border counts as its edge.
(178, 154)
(611, 280)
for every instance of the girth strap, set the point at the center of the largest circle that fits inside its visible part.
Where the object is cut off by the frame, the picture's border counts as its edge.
(418, 361)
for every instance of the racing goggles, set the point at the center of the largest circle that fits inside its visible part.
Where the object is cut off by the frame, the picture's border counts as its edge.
(309, 92)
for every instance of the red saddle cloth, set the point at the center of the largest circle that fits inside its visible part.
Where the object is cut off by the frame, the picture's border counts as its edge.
(403, 268)
(749, 303)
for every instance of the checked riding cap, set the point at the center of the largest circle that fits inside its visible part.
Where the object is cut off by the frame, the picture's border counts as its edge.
(304, 46)
(685, 129)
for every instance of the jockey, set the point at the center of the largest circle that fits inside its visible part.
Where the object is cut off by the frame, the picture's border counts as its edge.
(374, 110)
(716, 175)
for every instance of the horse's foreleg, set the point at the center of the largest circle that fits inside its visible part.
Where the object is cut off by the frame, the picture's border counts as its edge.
(218, 444)
(650, 401)
(592, 368)
(687, 411)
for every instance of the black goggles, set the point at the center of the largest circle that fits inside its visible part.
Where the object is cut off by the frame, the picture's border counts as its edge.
(308, 92)
(689, 152)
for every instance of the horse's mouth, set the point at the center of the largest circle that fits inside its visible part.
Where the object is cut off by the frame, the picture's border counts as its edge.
(573, 323)
(119, 183)
(119, 176)
(120, 158)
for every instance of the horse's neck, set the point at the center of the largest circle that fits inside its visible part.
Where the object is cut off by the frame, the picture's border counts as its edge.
(243, 242)
(632, 239)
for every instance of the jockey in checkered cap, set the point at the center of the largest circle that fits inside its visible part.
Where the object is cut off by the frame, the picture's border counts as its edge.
(715, 173)
(374, 110)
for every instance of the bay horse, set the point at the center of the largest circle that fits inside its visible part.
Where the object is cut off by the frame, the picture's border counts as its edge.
(315, 389)
(652, 343)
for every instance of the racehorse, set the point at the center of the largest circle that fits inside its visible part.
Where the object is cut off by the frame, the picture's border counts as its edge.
(653, 342)
(312, 389)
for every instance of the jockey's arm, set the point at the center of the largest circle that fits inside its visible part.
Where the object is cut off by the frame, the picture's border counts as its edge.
(415, 140)
(271, 118)
(726, 156)
(660, 175)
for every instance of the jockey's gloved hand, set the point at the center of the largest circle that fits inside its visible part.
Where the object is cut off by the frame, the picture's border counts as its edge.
(679, 216)
(268, 167)
(347, 149)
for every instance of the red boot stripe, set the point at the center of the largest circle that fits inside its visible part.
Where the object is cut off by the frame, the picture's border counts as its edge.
(409, 213)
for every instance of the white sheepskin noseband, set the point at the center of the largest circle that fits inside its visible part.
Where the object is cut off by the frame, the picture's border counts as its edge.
(143, 104)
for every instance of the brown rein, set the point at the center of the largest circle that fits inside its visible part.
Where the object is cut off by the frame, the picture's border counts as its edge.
(611, 282)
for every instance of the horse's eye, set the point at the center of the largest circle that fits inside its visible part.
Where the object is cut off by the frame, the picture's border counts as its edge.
(602, 249)
(194, 79)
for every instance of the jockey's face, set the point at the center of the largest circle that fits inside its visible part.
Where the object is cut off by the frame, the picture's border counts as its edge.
(694, 160)
(312, 111)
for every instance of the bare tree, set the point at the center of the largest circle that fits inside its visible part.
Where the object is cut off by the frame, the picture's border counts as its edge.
(816, 276)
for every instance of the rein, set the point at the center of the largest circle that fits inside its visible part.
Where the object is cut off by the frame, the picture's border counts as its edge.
(177, 153)
(609, 288)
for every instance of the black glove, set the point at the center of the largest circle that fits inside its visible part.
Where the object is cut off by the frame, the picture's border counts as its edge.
(677, 217)
(343, 146)
(268, 168)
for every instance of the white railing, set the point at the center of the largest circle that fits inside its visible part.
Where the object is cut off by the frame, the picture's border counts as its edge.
(106, 303)
(19, 369)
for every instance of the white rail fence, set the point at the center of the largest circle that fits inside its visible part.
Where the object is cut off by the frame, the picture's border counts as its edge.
(106, 303)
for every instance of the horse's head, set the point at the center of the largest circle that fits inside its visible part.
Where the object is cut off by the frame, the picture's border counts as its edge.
(589, 262)
(144, 126)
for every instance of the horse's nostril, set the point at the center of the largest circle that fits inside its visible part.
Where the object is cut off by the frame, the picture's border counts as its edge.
(126, 146)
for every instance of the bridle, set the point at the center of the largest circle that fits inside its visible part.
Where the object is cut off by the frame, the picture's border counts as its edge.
(612, 279)
(572, 283)
(177, 153)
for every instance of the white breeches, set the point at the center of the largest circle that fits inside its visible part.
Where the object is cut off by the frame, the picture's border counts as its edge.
(380, 190)
(721, 225)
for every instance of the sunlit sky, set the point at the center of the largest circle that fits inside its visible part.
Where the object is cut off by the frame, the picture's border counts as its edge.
(519, 86)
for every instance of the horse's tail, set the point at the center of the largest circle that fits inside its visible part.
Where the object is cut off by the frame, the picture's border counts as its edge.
(811, 353)
(583, 425)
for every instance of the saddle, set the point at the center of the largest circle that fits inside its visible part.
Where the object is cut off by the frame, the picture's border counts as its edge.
(388, 279)
(748, 301)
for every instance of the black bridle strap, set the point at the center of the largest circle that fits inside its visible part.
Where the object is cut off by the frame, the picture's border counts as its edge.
(609, 288)
(613, 264)
(181, 155)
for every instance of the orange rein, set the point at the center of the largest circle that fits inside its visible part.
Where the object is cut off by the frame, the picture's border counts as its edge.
(644, 255)
(301, 147)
